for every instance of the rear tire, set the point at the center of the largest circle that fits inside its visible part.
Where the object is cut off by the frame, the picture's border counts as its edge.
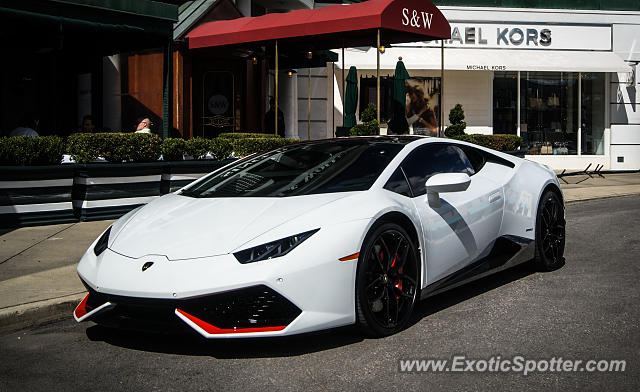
(387, 280)
(550, 232)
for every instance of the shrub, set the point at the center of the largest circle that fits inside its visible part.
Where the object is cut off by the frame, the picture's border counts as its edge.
(173, 149)
(369, 125)
(365, 129)
(369, 113)
(247, 146)
(220, 148)
(24, 150)
(137, 147)
(456, 119)
(197, 147)
(244, 135)
(456, 115)
(496, 142)
(114, 147)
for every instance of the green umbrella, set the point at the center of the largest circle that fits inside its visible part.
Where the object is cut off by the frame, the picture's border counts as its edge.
(351, 98)
(398, 124)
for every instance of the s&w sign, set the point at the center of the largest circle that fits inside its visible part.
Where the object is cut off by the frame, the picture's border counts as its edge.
(416, 18)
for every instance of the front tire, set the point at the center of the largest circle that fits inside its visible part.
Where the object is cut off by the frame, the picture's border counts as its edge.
(550, 232)
(387, 280)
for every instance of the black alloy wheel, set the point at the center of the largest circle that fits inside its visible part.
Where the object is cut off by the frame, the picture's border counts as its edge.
(387, 281)
(550, 232)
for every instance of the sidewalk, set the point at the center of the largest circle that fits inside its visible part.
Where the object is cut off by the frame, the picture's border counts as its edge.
(39, 284)
(38, 280)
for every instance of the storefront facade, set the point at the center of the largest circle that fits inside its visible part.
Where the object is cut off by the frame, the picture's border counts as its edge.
(564, 80)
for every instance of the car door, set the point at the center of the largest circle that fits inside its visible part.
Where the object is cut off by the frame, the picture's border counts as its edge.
(466, 224)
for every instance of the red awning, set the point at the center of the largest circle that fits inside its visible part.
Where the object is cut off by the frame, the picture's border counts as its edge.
(331, 27)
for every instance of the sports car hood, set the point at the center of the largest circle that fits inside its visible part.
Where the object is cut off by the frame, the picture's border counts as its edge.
(181, 227)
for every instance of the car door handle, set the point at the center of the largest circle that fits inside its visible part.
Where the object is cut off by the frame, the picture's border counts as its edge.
(495, 197)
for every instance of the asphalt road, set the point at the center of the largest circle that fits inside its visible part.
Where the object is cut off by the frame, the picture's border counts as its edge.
(588, 309)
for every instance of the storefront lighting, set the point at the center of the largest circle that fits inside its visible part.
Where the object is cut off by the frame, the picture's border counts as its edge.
(309, 55)
(254, 60)
(291, 72)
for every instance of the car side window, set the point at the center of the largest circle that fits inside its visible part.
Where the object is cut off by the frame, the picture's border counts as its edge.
(434, 158)
(476, 157)
(398, 183)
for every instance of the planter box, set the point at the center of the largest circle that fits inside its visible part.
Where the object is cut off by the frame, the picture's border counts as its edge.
(36, 195)
(110, 190)
(41, 195)
(181, 173)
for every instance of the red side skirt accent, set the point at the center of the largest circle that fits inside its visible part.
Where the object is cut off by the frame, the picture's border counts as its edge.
(212, 329)
(81, 309)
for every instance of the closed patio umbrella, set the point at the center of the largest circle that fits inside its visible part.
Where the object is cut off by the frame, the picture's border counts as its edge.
(398, 124)
(351, 98)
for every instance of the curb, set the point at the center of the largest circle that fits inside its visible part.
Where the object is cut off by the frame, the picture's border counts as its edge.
(37, 313)
(587, 199)
(573, 195)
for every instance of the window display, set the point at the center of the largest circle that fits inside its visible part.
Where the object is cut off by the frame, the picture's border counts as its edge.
(549, 112)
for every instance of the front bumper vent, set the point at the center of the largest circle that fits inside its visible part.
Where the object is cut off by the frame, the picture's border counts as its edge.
(251, 309)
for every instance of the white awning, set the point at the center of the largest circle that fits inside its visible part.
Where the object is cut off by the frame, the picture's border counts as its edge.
(487, 60)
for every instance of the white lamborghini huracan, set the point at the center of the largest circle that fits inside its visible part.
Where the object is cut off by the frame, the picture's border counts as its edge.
(323, 234)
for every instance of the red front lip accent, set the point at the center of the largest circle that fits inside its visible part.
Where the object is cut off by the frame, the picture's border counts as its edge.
(81, 309)
(213, 330)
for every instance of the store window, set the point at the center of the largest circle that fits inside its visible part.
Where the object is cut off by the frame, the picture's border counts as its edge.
(549, 112)
(505, 110)
(593, 108)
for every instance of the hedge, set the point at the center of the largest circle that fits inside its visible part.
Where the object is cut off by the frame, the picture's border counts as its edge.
(198, 148)
(173, 149)
(131, 147)
(25, 150)
(247, 146)
(496, 142)
(114, 147)
(221, 147)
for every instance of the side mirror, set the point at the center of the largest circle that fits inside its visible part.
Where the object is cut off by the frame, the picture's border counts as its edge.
(445, 182)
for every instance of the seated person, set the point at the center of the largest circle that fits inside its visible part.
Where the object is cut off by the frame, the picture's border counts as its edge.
(27, 126)
(144, 126)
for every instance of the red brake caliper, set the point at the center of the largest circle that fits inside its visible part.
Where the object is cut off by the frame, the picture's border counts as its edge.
(398, 282)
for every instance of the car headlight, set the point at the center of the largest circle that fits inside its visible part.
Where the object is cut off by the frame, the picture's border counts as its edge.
(102, 243)
(273, 249)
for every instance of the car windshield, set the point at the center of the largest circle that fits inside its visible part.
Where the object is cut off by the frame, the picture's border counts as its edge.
(303, 169)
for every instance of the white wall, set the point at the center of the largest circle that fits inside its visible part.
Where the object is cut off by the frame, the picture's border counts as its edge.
(626, 41)
(111, 93)
(287, 100)
(625, 121)
(472, 90)
(320, 100)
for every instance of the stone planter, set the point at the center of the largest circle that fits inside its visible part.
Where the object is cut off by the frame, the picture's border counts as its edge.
(36, 195)
(110, 190)
(180, 173)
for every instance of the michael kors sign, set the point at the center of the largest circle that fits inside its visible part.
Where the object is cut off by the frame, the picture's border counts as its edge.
(524, 36)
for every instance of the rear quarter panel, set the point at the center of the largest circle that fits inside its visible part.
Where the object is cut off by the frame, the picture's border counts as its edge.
(522, 195)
